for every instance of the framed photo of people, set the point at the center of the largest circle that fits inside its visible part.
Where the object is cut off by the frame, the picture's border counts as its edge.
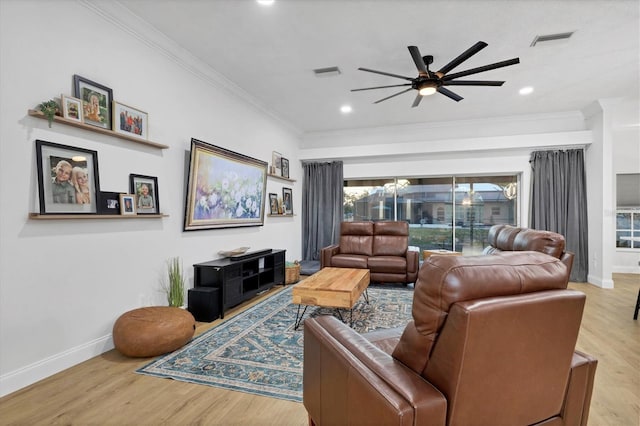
(67, 178)
(284, 162)
(71, 108)
(273, 203)
(287, 200)
(145, 189)
(96, 102)
(127, 204)
(130, 121)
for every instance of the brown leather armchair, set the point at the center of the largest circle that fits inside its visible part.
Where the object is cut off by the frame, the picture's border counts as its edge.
(380, 247)
(510, 238)
(492, 342)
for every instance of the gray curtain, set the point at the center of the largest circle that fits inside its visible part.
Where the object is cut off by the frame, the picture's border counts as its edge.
(322, 207)
(559, 202)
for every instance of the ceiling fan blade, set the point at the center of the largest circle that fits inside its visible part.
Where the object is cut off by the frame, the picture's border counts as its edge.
(416, 102)
(389, 97)
(417, 58)
(386, 73)
(450, 94)
(482, 69)
(472, 83)
(463, 57)
(381, 87)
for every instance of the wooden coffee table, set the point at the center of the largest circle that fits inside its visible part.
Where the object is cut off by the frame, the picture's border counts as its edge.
(331, 288)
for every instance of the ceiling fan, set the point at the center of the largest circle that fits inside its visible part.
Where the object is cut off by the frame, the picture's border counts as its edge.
(428, 82)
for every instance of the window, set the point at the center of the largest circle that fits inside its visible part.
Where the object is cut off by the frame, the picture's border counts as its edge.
(453, 213)
(628, 228)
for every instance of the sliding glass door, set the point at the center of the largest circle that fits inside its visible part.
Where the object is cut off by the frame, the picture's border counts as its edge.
(452, 213)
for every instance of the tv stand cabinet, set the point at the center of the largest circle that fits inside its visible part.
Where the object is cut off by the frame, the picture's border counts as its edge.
(240, 280)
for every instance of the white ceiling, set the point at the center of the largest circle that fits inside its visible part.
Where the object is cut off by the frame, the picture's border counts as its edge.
(270, 52)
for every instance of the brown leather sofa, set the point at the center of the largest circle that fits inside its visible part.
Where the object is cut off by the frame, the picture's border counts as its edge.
(510, 238)
(381, 247)
(492, 342)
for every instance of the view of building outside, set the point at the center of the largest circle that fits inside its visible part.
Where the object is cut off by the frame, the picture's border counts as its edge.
(452, 213)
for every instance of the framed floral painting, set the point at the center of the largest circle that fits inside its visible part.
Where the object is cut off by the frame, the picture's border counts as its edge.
(224, 189)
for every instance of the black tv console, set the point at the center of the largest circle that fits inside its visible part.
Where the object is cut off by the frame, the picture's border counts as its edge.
(241, 278)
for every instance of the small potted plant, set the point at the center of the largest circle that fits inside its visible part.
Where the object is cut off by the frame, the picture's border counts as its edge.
(49, 109)
(174, 284)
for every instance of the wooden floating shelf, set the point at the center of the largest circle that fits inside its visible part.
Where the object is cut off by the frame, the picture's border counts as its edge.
(281, 178)
(74, 216)
(62, 120)
(280, 215)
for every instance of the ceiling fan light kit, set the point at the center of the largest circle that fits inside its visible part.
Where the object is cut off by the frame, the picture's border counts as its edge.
(428, 82)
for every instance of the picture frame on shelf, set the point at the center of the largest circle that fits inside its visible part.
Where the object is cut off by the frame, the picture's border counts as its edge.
(225, 189)
(130, 121)
(273, 203)
(285, 167)
(145, 189)
(287, 201)
(68, 178)
(109, 203)
(127, 204)
(71, 108)
(276, 163)
(96, 101)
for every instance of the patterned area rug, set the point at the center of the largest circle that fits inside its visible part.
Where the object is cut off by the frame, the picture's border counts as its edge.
(258, 351)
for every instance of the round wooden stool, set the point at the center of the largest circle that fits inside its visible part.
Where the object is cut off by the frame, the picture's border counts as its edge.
(152, 331)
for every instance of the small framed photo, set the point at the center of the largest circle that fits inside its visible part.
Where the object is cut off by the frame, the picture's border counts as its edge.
(145, 189)
(109, 203)
(71, 108)
(96, 102)
(287, 200)
(285, 167)
(273, 203)
(130, 121)
(276, 163)
(67, 178)
(127, 204)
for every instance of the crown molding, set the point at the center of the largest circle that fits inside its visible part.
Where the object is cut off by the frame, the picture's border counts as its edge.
(120, 16)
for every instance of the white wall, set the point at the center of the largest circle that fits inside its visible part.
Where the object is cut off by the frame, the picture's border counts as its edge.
(64, 283)
(626, 159)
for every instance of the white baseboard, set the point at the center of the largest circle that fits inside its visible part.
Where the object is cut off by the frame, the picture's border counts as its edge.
(42, 369)
(598, 281)
(626, 269)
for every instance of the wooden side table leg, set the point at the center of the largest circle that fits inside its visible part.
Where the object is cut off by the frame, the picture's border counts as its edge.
(635, 314)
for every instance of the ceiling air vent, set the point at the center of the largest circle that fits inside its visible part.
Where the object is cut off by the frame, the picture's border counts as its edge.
(550, 38)
(327, 72)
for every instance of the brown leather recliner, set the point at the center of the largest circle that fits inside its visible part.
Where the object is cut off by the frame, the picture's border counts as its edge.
(492, 342)
(510, 238)
(380, 247)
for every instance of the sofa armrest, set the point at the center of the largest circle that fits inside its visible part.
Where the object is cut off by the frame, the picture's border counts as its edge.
(413, 261)
(347, 380)
(327, 253)
(575, 410)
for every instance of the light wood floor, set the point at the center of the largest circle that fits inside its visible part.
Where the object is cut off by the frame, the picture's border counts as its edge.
(106, 391)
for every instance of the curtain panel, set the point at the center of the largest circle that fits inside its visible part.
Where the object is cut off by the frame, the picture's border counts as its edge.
(322, 206)
(559, 202)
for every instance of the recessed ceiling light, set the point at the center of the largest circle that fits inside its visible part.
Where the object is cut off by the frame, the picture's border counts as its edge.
(346, 109)
(265, 2)
(526, 90)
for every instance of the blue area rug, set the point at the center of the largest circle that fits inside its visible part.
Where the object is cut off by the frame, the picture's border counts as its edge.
(258, 351)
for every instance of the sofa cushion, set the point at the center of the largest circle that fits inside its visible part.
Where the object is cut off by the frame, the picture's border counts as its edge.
(388, 264)
(356, 238)
(349, 261)
(390, 238)
(445, 280)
